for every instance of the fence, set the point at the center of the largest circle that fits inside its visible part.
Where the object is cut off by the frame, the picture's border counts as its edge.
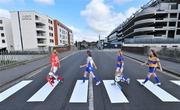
(9, 58)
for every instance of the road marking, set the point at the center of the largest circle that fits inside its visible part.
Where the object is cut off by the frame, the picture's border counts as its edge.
(158, 92)
(7, 93)
(80, 92)
(91, 95)
(175, 82)
(114, 92)
(43, 93)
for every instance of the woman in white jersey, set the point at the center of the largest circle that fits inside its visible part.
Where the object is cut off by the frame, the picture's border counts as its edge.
(90, 65)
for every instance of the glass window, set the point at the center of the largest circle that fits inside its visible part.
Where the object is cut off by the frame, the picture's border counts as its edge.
(174, 6)
(3, 41)
(0, 21)
(178, 32)
(2, 34)
(1, 28)
(173, 15)
(172, 23)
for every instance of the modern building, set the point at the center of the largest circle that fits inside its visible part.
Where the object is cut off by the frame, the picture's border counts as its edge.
(32, 31)
(6, 41)
(156, 24)
(62, 34)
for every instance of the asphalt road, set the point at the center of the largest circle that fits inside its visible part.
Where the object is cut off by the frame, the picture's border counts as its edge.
(138, 96)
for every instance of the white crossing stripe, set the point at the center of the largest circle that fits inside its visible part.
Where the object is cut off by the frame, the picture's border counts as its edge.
(157, 91)
(7, 93)
(80, 92)
(114, 92)
(175, 82)
(43, 93)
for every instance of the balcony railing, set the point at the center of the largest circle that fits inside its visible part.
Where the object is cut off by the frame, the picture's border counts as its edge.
(152, 41)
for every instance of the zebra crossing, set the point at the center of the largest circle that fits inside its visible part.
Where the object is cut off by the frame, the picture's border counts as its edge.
(80, 92)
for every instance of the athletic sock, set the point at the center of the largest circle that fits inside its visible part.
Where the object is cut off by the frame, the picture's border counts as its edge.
(84, 79)
(146, 80)
(157, 79)
(96, 79)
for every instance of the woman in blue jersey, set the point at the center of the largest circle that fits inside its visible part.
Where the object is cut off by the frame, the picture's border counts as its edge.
(153, 62)
(89, 70)
(119, 69)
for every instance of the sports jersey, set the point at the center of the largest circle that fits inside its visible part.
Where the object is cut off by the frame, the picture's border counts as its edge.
(54, 60)
(153, 62)
(120, 59)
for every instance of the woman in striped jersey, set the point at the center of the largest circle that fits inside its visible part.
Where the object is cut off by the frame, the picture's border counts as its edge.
(153, 62)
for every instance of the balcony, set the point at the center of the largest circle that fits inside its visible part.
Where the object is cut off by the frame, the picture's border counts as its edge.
(145, 21)
(41, 35)
(40, 20)
(152, 41)
(144, 29)
(41, 42)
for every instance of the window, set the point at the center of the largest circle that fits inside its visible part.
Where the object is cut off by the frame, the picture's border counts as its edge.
(50, 28)
(49, 21)
(178, 24)
(3, 41)
(36, 17)
(174, 6)
(1, 28)
(173, 15)
(171, 33)
(60, 41)
(51, 34)
(51, 41)
(0, 21)
(178, 32)
(172, 23)
(2, 34)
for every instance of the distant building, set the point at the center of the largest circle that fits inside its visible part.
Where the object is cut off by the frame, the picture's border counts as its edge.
(156, 24)
(6, 41)
(63, 35)
(32, 31)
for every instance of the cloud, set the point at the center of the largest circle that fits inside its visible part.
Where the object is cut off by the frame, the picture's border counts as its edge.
(122, 1)
(81, 34)
(47, 2)
(101, 18)
(4, 13)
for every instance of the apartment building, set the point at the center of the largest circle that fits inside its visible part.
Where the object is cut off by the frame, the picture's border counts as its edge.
(63, 35)
(6, 41)
(32, 31)
(157, 23)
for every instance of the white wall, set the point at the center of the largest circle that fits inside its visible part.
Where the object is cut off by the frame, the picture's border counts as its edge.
(6, 24)
(28, 28)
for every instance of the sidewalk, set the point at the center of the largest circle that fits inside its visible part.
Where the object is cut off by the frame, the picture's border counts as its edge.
(167, 65)
(19, 71)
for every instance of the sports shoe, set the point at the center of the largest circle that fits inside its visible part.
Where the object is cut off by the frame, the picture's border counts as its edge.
(142, 83)
(128, 80)
(113, 84)
(158, 84)
(60, 79)
(97, 83)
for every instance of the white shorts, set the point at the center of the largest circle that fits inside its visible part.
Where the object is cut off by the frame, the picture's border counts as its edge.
(53, 71)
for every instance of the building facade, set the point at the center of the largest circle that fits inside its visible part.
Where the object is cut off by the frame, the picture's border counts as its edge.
(63, 35)
(32, 31)
(6, 41)
(156, 24)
